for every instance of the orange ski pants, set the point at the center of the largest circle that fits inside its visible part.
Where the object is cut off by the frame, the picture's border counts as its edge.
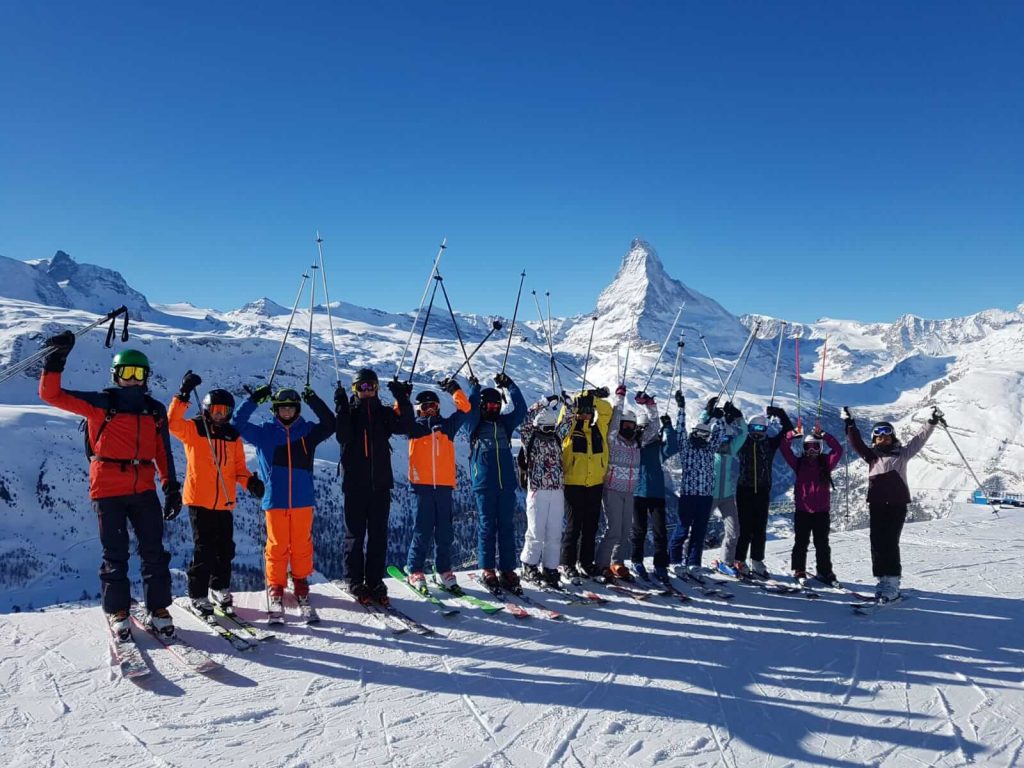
(289, 539)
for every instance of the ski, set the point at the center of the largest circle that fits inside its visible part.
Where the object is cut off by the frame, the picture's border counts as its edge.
(702, 584)
(545, 611)
(405, 620)
(399, 576)
(210, 622)
(620, 588)
(841, 589)
(373, 609)
(458, 592)
(870, 608)
(676, 591)
(230, 617)
(126, 655)
(499, 594)
(768, 584)
(566, 596)
(190, 656)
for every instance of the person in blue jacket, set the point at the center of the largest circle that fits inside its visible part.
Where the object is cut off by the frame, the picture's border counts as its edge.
(493, 472)
(649, 499)
(285, 446)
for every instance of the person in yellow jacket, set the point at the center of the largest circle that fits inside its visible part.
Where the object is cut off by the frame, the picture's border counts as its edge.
(432, 477)
(585, 459)
(210, 489)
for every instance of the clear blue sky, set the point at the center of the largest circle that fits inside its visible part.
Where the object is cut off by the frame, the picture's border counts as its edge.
(795, 158)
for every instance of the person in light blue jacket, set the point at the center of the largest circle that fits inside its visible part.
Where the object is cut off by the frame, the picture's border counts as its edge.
(727, 473)
(649, 499)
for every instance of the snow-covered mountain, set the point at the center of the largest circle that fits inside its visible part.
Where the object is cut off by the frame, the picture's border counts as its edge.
(972, 367)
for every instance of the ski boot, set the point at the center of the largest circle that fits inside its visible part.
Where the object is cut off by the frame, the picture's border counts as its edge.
(160, 622)
(800, 577)
(828, 579)
(888, 589)
(591, 571)
(275, 604)
(661, 573)
(223, 599)
(120, 625)
(639, 570)
(359, 591)
(531, 573)
(202, 606)
(448, 580)
(741, 569)
(379, 595)
(509, 581)
(418, 581)
(549, 576)
(758, 568)
(621, 572)
(570, 574)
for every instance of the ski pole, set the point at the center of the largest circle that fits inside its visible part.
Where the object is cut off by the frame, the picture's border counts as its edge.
(967, 464)
(736, 385)
(547, 338)
(309, 347)
(586, 364)
(295, 308)
(455, 324)
(423, 330)
(778, 356)
(568, 368)
(799, 410)
(629, 346)
(327, 299)
(846, 485)
(512, 329)
(426, 288)
(213, 454)
(15, 368)
(551, 342)
(821, 386)
(677, 367)
(743, 351)
(495, 326)
(664, 344)
(713, 363)
(618, 364)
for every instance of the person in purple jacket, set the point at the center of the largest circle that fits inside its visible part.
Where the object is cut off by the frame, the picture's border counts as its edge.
(812, 496)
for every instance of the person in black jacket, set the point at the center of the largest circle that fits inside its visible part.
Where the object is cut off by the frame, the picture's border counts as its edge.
(364, 430)
(754, 488)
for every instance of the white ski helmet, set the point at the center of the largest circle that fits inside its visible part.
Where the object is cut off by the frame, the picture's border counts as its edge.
(812, 441)
(545, 418)
(757, 428)
(643, 419)
(627, 416)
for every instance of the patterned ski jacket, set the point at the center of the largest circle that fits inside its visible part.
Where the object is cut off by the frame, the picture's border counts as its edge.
(887, 470)
(543, 451)
(203, 474)
(651, 484)
(431, 446)
(727, 468)
(624, 455)
(491, 464)
(285, 452)
(757, 456)
(812, 491)
(585, 448)
(697, 459)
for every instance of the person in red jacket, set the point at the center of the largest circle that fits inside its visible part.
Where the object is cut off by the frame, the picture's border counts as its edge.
(128, 441)
(215, 463)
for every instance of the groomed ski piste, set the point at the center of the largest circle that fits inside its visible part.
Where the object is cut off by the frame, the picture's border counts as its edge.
(765, 680)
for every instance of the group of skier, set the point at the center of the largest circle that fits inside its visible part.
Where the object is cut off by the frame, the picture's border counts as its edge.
(581, 456)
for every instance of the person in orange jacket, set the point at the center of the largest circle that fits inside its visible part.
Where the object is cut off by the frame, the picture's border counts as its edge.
(432, 476)
(215, 459)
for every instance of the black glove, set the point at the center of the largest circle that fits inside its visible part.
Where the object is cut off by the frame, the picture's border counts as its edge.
(188, 383)
(680, 399)
(554, 398)
(60, 347)
(308, 394)
(600, 392)
(473, 381)
(261, 394)
(172, 500)
(340, 398)
(717, 413)
(666, 420)
(847, 418)
(938, 417)
(776, 411)
(502, 381)
(255, 487)
(451, 386)
(712, 402)
(731, 412)
(400, 390)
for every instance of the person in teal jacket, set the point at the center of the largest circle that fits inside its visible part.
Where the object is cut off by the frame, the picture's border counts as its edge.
(727, 473)
(649, 499)
(493, 472)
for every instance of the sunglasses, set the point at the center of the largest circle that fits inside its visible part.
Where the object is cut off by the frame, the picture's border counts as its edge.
(220, 410)
(881, 431)
(127, 372)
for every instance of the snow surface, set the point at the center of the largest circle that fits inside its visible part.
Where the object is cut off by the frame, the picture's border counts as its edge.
(765, 680)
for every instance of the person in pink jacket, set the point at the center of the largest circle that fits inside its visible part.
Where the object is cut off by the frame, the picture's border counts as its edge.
(812, 497)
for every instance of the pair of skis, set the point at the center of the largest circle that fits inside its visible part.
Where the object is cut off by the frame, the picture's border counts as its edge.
(390, 618)
(242, 635)
(129, 659)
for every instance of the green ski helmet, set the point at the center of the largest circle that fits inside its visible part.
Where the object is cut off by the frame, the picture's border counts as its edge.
(126, 361)
(286, 397)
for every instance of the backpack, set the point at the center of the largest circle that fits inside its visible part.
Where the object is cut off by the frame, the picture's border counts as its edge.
(152, 409)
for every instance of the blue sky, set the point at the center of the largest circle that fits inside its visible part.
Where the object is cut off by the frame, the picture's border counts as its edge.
(853, 160)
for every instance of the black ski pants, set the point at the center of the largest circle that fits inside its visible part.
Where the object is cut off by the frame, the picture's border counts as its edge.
(650, 509)
(214, 549)
(143, 511)
(366, 535)
(886, 527)
(753, 511)
(805, 525)
(582, 515)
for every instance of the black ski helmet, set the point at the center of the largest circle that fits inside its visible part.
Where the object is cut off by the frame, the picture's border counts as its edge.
(489, 398)
(286, 397)
(218, 397)
(365, 376)
(490, 395)
(427, 396)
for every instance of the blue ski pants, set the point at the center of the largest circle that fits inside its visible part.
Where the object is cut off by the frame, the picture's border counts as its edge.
(494, 526)
(694, 513)
(433, 526)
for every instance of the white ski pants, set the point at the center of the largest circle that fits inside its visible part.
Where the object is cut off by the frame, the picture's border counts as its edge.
(544, 512)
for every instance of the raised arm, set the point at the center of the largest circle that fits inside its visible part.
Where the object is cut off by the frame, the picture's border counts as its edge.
(326, 423)
(835, 451)
(786, 449)
(858, 443)
(916, 443)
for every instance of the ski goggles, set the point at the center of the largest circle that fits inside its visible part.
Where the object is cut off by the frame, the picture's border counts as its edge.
(365, 386)
(128, 372)
(491, 408)
(881, 431)
(429, 407)
(220, 410)
(759, 429)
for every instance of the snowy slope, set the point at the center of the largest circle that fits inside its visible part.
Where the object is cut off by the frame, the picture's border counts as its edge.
(766, 680)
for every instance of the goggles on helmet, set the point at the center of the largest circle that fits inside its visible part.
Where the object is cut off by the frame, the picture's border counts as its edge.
(758, 428)
(128, 372)
(881, 431)
(220, 410)
(491, 407)
(365, 386)
(429, 407)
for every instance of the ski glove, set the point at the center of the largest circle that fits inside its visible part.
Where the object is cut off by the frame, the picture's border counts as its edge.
(712, 402)
(400, 389)
(451, 386)
(600, 392)
(261, 394)
(502, 381)
(60, 345)
(666, 421)
(172, 500)
(642, 398)
(938, 417)
(308, 394)
(188, 384)
(847, 418)
(680, 400)
(255, 487)
(620, 391)
(554, 398)
(776, 411)
(340, 398)
(731, 412)
(473, 381)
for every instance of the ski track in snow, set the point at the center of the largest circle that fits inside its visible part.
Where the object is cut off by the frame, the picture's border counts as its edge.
(762, 681)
